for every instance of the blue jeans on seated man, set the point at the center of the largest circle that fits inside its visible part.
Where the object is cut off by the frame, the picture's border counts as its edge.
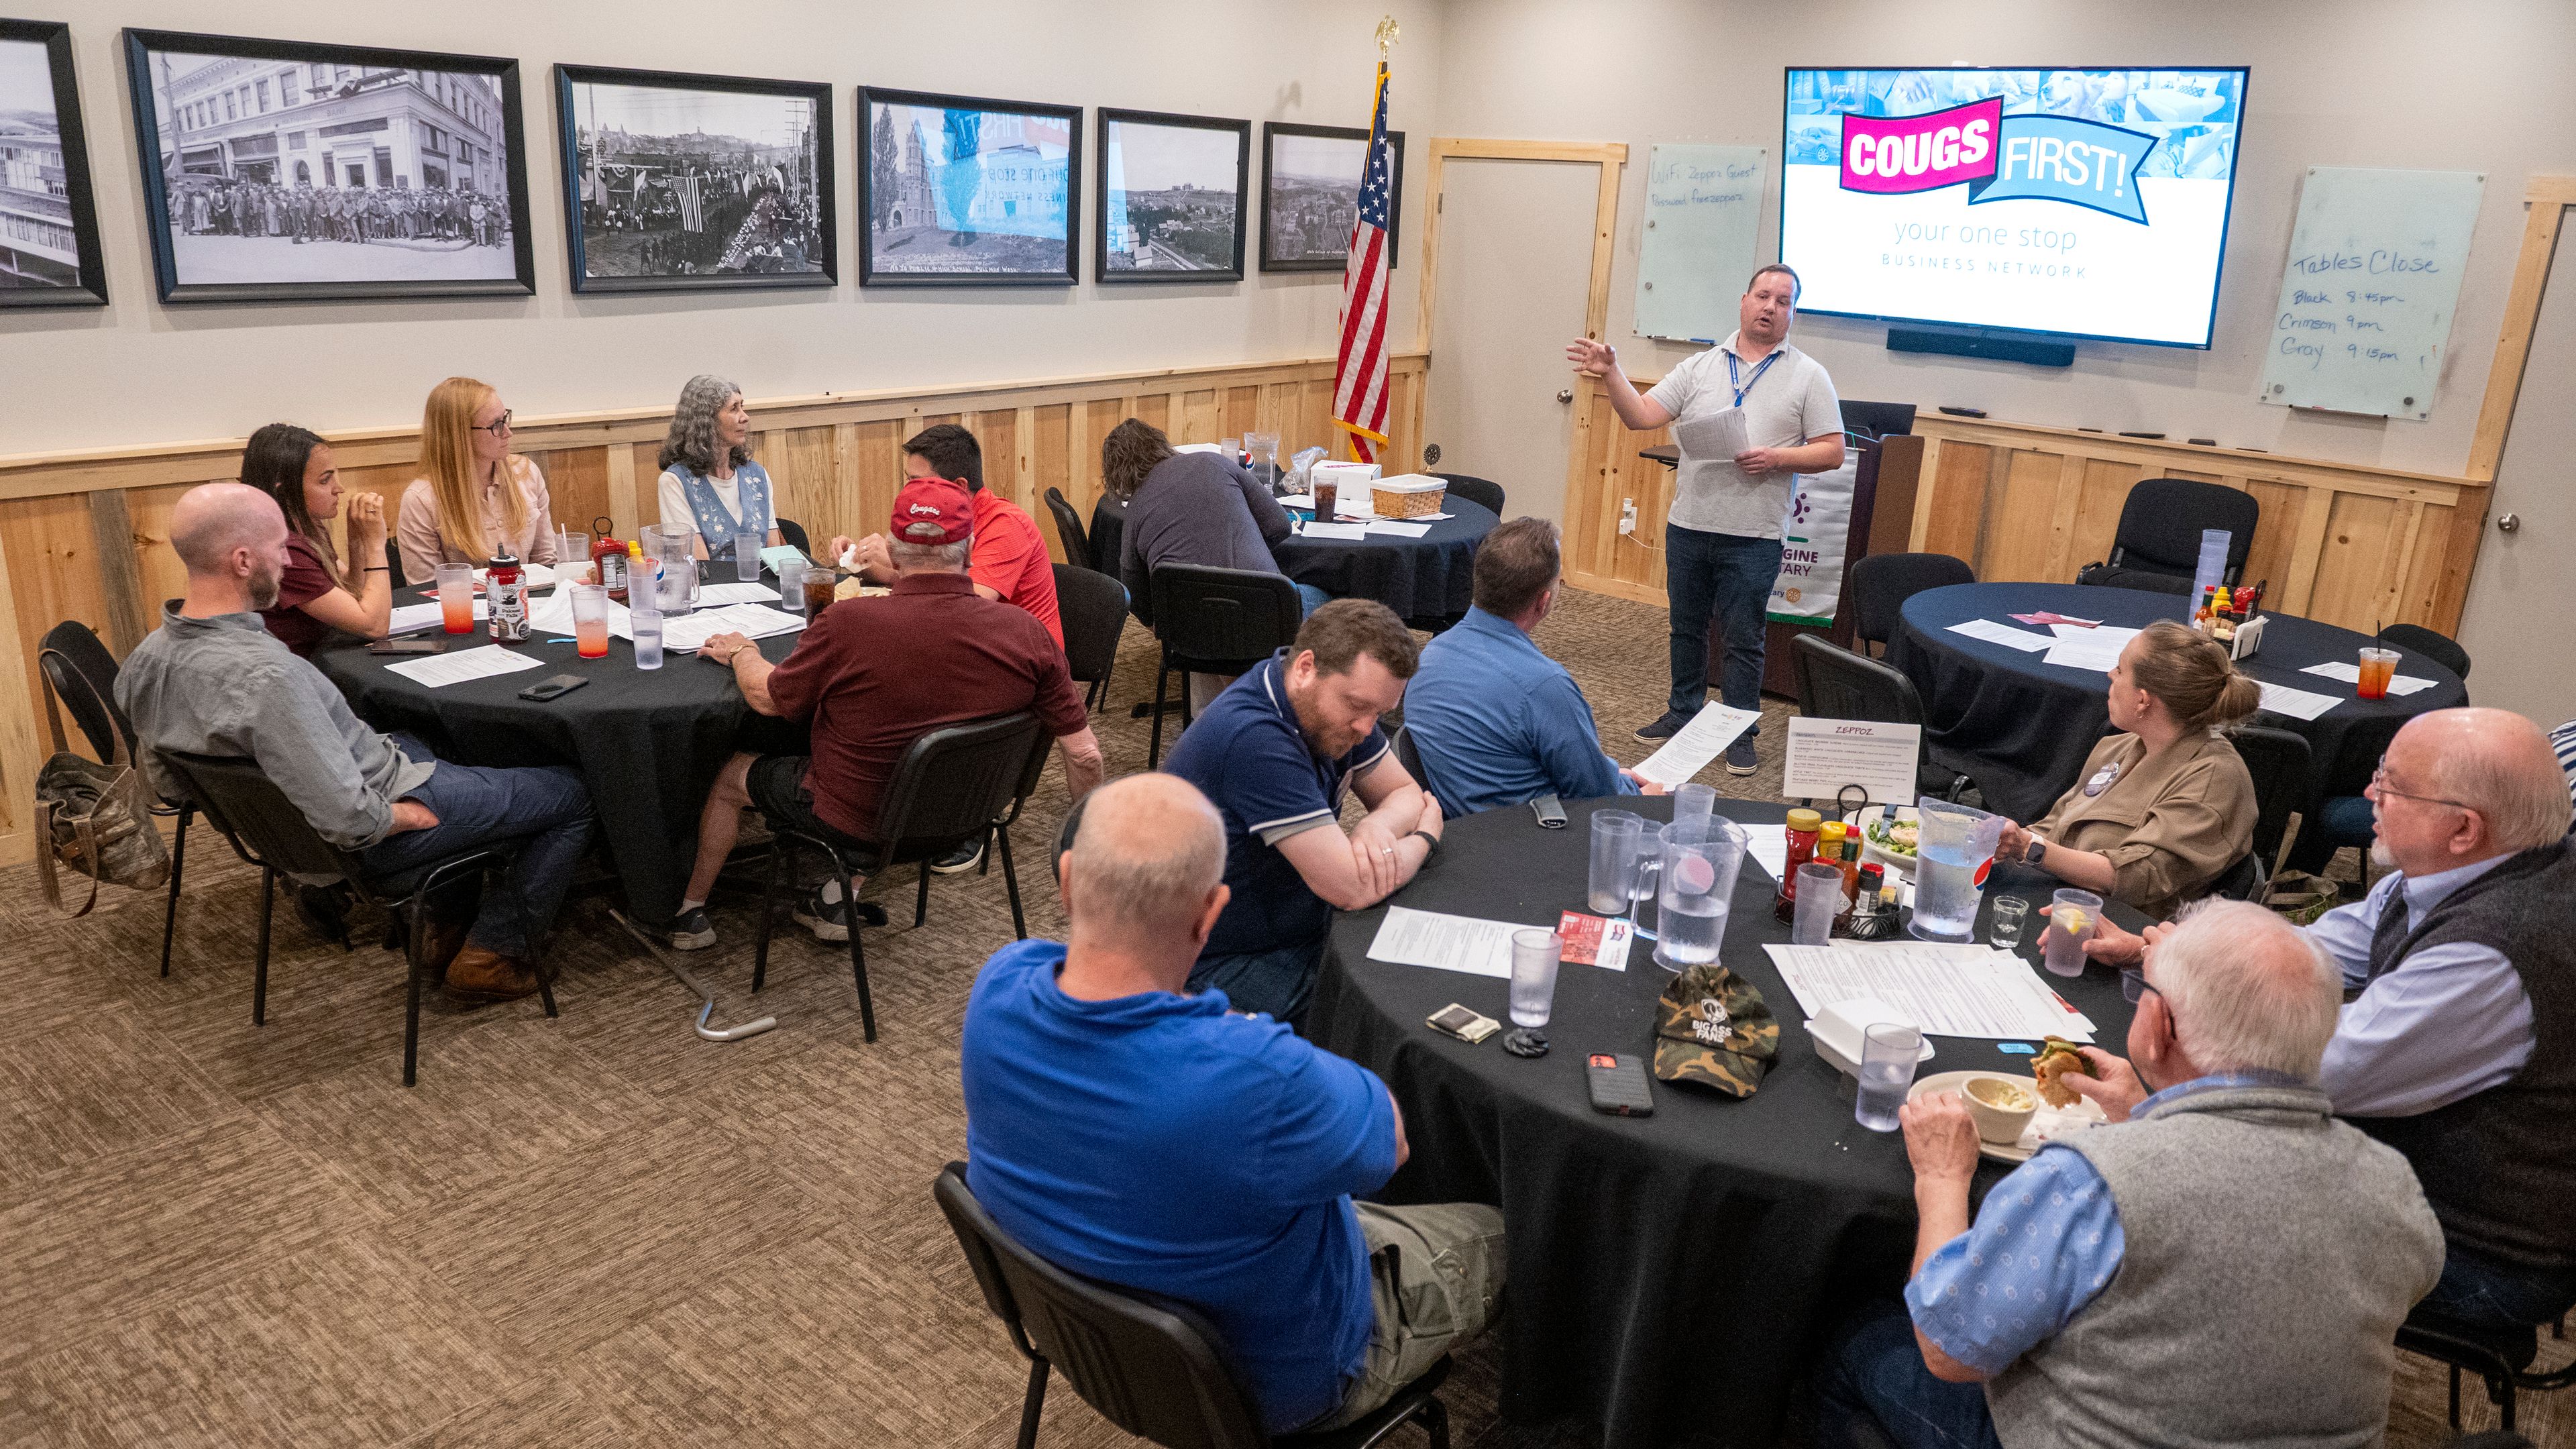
(1726, 579)
(1276, 982)
(545, 808)
(2484, 1293)
(1874, 1390)
(1313, 598)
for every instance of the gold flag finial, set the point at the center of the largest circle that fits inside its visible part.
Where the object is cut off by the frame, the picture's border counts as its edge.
(1387, 35)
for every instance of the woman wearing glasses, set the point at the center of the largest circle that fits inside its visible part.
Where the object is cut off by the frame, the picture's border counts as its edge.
(475, 494)
(2164, 806)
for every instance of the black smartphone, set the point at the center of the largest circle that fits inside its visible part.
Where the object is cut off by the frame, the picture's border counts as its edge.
(407, 646)
(1619, 1085)
(555, 688)
(1550, 812)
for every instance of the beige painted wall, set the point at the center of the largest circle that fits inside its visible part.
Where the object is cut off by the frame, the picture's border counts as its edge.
(138, 372)
(2484, 85)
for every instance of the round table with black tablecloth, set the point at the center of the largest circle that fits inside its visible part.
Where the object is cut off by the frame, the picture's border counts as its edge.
(648, 743)
(1674, 1274)
(1429, 581)
(2026, 725)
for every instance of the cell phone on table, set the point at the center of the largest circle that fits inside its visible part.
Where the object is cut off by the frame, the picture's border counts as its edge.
(555, 688)
(406, 646)
(1619, 1085)
(1550, 812)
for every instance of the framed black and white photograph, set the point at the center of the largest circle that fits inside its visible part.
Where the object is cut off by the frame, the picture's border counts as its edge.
(955, 190)
(684, 182)
(1310, 195)
(283, 170)
(49, 251)
(1171, 197)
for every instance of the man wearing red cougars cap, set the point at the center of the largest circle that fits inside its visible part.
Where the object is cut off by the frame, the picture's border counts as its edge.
(871, 675)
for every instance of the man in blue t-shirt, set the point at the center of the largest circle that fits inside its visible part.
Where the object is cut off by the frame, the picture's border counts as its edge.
(1129, 1132)
(1275, 752)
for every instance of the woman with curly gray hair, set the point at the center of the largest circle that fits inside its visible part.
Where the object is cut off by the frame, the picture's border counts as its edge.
(708, 478)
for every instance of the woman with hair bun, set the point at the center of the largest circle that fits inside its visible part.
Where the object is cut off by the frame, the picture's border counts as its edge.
(2164, 806)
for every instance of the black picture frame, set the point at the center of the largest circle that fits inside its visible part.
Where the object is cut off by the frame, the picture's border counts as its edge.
(1271, 258)
(823, 206)
(877, 243)
(1232, 271)
(382, 74)
(76, 207)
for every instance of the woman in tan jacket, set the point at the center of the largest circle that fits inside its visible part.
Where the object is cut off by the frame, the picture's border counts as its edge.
(2164, 807)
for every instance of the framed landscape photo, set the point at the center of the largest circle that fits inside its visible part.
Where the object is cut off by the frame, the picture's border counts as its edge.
(1171, 197)
(285, 170)
(1310, 195)
(688, 182)
(954, 190)
(49, 251)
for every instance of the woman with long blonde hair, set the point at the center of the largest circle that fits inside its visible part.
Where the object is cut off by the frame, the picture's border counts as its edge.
(474, 494)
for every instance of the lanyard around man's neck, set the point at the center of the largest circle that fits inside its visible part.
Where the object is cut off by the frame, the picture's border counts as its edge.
(1747, 384)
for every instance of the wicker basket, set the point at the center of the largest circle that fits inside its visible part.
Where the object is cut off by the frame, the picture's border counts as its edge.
(1412, 495)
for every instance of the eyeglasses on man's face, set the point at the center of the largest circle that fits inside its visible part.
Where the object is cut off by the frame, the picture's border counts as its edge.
(2135, 986)
(2379, 783)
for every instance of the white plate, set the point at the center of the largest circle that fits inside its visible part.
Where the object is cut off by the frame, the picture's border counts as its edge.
(2045, 1124)
(1869, 849)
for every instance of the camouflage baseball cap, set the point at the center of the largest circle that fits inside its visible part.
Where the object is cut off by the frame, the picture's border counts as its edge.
(1712, 1026)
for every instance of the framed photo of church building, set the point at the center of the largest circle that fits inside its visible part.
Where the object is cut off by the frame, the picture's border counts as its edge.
(49, 251)
(1171, 197)
(959, 191)
(282, 170)
(1310, 195)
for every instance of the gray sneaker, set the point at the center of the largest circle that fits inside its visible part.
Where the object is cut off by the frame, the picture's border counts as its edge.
(1740, 759)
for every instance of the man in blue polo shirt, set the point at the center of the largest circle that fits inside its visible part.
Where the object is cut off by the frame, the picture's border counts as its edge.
(1274, 752)
(1130, 1132)
(1498, 723)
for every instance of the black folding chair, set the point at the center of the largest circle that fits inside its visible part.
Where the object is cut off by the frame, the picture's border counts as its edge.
(959, 784)
(270, 832)
(2157, 545)
(1882, 582)
(1093, 609)
(2442, 649)
(1216, 621)
(1153, 1366)
(2502, 1357)
(1474, 490)
(1839, 684)
(792, 534)
(80, 676)
(1069, 532)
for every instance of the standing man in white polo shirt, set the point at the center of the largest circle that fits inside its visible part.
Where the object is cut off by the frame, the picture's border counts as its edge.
(1722, 537)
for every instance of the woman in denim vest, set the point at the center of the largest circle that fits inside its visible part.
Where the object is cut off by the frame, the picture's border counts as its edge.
(708, 477)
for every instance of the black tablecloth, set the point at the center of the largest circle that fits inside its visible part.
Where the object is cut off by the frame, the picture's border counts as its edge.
(1428, 580)
(648, 743)
(2025, 726)
(1669, 1275)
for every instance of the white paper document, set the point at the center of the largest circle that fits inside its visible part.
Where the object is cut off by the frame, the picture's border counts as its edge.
(437, 671)
(1827, 754)
(1950, 990)
(540, 576)
(2350, 673)
(1687, 753)
(552, 614)
(407, 617)
(1353, 532)
(685, 634)
(1994, 633)
(1399, 529)
(1299, 500)
(1769, 847)
(2297, 703)
(714, 595)
(1718, 437)
(1445, 943)
(2077, 647)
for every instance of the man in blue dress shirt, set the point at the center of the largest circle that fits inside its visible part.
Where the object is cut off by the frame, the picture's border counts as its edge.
(1497, 722)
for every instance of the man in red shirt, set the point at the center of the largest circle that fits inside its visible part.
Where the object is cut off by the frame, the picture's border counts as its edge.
(1010, 560)
(872, 675)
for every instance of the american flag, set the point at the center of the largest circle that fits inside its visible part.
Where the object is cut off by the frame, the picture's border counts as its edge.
(1359, 377)
(693, 216)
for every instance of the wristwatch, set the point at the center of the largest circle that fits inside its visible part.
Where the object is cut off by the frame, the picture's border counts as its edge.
(1430, 842)
(2032, 853)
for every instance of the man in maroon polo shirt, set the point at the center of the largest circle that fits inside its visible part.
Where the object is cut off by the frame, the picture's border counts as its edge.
(872, 675)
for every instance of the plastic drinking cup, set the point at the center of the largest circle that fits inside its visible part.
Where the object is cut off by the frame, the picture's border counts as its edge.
(590, 621)
(2074, 917)
(2003, 928)
(1232, 449)
(572, 554)
(1617, 838)
(456, 597)
(1694, 803)
(1820, 897)
(1887, 1057)
(746, 554)
(2378, 668)
(791, 586)
(648, 641)
(1534, 958)
(1324, 501)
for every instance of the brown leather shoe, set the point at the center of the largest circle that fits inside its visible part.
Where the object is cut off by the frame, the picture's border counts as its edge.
(440, 940)
(477, 975)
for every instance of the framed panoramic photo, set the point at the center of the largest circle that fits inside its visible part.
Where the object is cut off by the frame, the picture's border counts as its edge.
(1171, 197)
(688, 182)
(284, 170)
(954, 191)
(49, 251)
(1310, 195)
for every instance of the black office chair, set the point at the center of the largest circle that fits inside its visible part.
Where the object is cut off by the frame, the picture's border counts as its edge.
(1093, 609)
(1409, 755)
(954, 786)
(2501, 1357)
(1154, 1367)
(1838, 684)
(1069, 532)
(1877, 419)
(2442, 649)
(1882, 582)
(1216, 621)
(792, 534)
(1474, 490)
(270, 832)
(2157, 546)
(80, 676)
(2279, 761)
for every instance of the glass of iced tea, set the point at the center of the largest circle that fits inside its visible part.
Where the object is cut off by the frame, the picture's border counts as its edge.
(1324, 500)
(590, 620)
(2378, 667)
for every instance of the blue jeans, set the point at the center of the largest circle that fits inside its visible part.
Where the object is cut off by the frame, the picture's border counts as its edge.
(1314, 598)
(543, 807)
(1874, 1390)
(2486, 1294)
(1725, 578)
(1276, 982)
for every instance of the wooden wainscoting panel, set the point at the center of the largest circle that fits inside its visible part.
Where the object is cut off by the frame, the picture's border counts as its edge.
(54, 575)
(2276, 537)
(577, 485)
(2361, 540)
(805, 479)
(1198, 414)
(1954, 500)
(157, 570)
(2103, 487)
(2021, 513)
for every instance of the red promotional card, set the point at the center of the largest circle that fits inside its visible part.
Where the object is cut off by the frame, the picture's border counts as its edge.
(1594, 940)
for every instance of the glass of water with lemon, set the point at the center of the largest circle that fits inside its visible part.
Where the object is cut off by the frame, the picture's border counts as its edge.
(2073, 918)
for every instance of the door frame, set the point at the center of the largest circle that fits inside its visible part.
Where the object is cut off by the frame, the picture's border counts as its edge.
(1612, 158)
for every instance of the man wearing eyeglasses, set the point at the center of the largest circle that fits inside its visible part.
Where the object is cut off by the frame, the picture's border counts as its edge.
(2458, 1046)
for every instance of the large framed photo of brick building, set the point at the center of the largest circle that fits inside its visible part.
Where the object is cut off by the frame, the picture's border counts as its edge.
(1310, 195)
(956, 190)
(1171, 197)
(49, 249)
(278, 170)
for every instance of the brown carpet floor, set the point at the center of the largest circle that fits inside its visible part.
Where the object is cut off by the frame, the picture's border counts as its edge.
(597, 1230)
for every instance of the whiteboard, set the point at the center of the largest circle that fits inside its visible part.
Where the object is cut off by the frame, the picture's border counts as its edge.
(1703, 204)
(2370, 288)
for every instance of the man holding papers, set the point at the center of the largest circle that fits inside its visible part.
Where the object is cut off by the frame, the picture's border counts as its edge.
(1722, 537)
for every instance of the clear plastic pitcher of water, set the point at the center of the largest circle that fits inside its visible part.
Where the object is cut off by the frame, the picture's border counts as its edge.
(677, 548)
(1949, 860)
(1697, 885)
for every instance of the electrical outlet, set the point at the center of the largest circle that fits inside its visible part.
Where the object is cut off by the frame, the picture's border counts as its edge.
(1627, 515)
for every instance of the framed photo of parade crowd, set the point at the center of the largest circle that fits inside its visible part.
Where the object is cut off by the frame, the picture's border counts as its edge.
(956, 190)
(279, 170)
(690, 182)
(49, 248)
